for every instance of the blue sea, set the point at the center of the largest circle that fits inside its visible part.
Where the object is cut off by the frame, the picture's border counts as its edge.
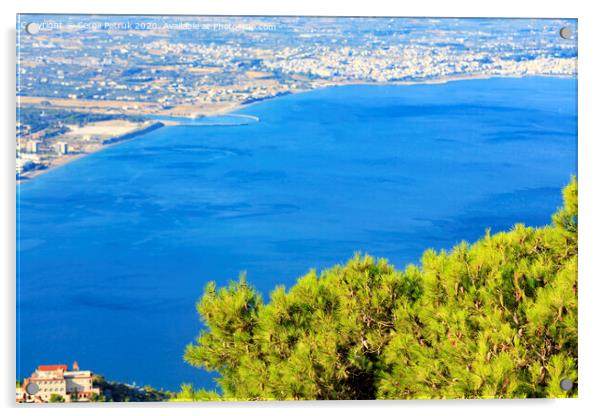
(114, 249)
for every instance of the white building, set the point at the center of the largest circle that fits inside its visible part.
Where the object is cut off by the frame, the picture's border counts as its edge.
(72, 385)
(33, 146)
(62, 148)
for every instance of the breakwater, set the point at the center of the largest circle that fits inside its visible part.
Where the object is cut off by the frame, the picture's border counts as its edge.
(133, 134)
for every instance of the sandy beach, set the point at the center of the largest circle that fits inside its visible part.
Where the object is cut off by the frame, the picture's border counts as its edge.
(114, 128)
(104, 129)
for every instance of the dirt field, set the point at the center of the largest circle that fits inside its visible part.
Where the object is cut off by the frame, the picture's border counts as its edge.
(109, 128)
(102, 105)
(257, 74)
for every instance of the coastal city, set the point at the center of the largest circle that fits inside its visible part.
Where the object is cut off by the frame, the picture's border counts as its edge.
(106, 74)
(235, 208)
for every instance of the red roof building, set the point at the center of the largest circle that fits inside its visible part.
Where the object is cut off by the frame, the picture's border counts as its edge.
(48, 380)
(58, 367)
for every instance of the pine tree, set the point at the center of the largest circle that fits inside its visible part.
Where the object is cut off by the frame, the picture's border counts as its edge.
(497, 318)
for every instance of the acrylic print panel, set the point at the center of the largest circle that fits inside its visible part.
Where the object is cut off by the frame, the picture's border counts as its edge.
(260, 208)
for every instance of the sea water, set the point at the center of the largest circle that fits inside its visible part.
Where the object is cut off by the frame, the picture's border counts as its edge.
(115, 248)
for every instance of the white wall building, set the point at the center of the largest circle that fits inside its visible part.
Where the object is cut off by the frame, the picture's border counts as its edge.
(71, 385)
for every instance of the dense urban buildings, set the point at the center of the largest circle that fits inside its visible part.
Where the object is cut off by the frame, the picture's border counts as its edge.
(102, 68)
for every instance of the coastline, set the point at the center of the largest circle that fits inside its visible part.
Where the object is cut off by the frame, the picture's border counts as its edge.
(442, 80)
(68, 158)
(232, 107)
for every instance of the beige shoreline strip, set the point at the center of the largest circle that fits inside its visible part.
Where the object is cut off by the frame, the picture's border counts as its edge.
(216, 110)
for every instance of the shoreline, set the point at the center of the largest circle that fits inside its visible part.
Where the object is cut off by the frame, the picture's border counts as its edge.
(434, 81)
(68, 158)
(232, 107)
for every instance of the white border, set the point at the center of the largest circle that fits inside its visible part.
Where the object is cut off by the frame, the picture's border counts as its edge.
(590, 136)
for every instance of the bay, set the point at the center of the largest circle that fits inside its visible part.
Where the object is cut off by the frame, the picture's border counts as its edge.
(114, 249)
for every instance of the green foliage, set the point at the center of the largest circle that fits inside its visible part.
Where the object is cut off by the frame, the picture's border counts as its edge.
(113, 391)
(94, 397)
(497, 318)
(56, 398)
(188, 394)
